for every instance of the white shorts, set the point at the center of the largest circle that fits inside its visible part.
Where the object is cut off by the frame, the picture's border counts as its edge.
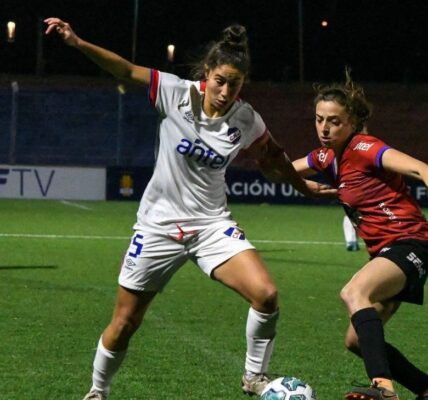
(153, 256)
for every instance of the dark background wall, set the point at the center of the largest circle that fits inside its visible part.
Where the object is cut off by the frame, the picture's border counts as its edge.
(400, 115)
(86, 121)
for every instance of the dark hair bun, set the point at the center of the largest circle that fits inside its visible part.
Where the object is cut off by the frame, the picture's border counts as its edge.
(235, 36)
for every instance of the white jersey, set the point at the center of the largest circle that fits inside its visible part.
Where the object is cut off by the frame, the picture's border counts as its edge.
(188, 184)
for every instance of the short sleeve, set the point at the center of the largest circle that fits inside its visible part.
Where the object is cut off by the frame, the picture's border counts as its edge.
(256, 127)
(166, 90)
(320, 159)
(368, 152)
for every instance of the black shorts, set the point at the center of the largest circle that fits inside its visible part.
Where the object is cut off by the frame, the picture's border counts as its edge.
(411, 256)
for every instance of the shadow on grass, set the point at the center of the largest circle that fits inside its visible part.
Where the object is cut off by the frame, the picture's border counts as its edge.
(24, 267)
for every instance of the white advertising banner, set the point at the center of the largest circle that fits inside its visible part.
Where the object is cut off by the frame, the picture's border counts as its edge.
(65, 183)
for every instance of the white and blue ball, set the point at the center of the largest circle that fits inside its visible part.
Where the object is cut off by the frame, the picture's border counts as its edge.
(288, 388)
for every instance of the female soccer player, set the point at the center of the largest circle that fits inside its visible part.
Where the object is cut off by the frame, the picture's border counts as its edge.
(369, 177)
(183, 213)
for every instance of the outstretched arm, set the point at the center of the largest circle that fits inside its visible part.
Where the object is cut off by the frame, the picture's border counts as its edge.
(302, 167)
(277, 167)
(394, 160)
(111, 62)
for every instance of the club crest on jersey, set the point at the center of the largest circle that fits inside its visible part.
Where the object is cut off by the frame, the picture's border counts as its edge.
(235, 233)
(234, 135)
(202, 155)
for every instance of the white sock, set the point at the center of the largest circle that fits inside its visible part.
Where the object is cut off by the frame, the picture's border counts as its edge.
(260, 332)
(349, 230)
(106, 363)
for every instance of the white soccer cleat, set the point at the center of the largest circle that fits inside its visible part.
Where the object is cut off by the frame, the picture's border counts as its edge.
(92, 395)
(255, 384)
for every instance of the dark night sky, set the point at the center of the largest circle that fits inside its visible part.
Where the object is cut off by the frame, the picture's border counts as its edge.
(382, 40)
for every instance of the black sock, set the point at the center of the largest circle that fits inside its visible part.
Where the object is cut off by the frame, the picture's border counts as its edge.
(369, 328)
(404, 372)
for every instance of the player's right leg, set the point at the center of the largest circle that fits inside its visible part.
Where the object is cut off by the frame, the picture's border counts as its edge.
(149, 263)
(111, 350)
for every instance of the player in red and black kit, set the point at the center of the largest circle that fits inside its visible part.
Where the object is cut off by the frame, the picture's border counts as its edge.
(369, 176)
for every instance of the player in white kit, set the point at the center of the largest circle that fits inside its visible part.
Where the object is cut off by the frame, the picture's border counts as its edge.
(183, 213)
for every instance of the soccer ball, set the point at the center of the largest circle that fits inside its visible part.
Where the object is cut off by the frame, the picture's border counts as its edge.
(288, 388)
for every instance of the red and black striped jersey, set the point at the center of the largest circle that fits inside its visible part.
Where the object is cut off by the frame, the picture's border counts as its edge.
(378, 201)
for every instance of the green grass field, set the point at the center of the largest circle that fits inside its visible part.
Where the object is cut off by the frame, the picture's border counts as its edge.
(58, 267)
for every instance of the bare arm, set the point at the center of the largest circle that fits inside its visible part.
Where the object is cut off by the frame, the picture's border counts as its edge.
(277, 167)
(396, 161)
(111, 62)
(302, 167)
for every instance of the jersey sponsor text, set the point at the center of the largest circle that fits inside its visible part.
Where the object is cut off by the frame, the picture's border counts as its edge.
(202, 155)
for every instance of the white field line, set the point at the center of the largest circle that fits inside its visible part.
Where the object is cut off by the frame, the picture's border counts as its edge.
(71, 204)
(95, 237)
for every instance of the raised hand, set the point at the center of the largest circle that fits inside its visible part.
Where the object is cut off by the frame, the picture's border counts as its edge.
(63, 29)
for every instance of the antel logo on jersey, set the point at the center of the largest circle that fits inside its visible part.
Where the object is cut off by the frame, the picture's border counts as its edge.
(234, 134)
(363, 146)
(202, 155)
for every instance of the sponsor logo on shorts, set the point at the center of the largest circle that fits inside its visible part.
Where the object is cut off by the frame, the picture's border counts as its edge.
(384, 250)
(417, 262)
(235, 233)
(128, 264)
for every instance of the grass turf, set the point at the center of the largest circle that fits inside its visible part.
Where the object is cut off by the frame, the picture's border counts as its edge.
(57, 294)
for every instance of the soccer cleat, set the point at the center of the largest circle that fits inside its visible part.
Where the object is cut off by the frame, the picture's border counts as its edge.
(352, 246)
(254, 385)
(92, 395)
(373, 392)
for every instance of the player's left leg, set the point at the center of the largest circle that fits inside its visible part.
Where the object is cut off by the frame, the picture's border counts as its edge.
(402, 370)
(246, 274)
(397, 274)
(377, 281)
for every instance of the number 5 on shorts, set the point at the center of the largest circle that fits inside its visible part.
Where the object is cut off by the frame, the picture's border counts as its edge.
(138, 246)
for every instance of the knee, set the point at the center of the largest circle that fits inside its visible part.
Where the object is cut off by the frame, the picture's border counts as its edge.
(351, 296)
(124, 327)
(267, 300)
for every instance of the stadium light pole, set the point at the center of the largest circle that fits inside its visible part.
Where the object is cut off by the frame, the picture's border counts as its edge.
(121, 91)
(301, 58)
(13, 122)
(135, 30)
(40, 62)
